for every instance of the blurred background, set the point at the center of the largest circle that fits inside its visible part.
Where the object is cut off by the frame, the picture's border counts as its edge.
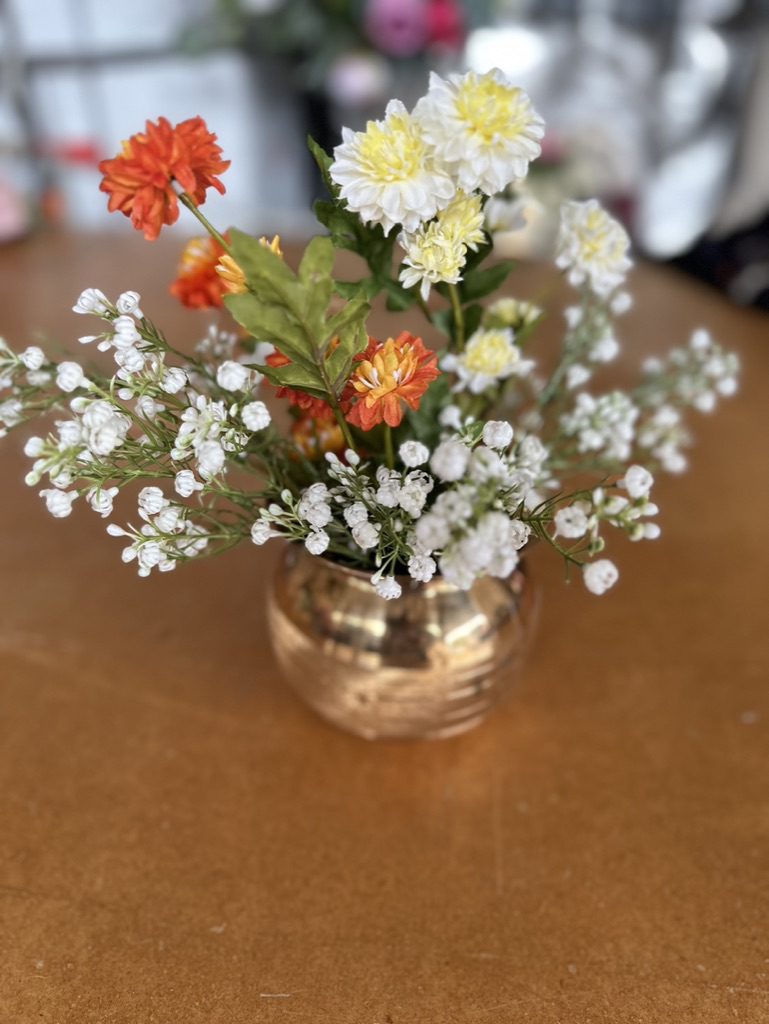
(658, 107)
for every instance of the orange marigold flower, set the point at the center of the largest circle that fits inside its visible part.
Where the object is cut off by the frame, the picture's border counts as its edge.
(139, 180)
(387, 375)
(315, 437)
(198, 284)
(233, 278)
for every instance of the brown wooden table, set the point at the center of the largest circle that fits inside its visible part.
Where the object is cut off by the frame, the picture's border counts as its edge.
(181, 841)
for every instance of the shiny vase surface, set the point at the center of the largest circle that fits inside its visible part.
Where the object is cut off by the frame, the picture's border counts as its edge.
(430, 664)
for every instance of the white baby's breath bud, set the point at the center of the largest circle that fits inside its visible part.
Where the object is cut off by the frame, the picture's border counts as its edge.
(316, 492)
(261, 532)
(432, 531)
(128, 303)
(91, 301)
(185, 483)
(33, 357)
(211, 458)
(600, 576)
(173, 380)
(413, 454)
(451, 417)
(39, 378)
(576, 375)
(355, 513)
(116, 531)
(637, 482)
(497, 434)
(486, 464)
(100, 499)
(386, 586)
(621, 303)
(421, 568)
(651, 531)
(34, 447)
(705, 401)
(151, 500)
(232, 376)
(125, 331)
(147, 407)
(449, 460)
(70, 376)
(317, 542)
(58, 503)
(129, 359)
(255, 416)
(571, 522)
(352, 457)
(366, 535)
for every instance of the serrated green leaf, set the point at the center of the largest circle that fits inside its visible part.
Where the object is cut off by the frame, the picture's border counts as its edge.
(324, 161)
(292, 375)
(315, 272)
(267, 274)
(267, 322)
(481, 282)
(351, 341)
(356, 310)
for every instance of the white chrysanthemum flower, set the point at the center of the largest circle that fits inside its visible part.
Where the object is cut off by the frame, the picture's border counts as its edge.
(600, 576)
(489, 357)
(482, 127)
(592, 246)
(463, 220)
(432, 257)
(387, 174)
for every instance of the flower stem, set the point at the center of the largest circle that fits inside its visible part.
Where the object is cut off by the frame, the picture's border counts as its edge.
(459, 317)
(389, 453)
(187, 200)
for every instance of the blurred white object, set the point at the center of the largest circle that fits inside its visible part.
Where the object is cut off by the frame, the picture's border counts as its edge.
(359, 79)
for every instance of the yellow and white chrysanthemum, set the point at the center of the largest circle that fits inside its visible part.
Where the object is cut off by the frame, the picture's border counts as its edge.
(482, 127)
(489, 357)
(592, 246)
(432, 256)
(436, 252)
(388, 174)
(463, 219)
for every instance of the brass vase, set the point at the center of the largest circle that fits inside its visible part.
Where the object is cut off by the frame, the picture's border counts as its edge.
(428, 665)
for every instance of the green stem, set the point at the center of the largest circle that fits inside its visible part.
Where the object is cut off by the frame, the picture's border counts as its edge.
(459, 317)
(389, 453)
(187, 200)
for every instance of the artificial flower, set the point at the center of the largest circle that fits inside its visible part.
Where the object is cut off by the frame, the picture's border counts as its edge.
(140, 180)
(198, 284)
(387, 174)
(232, 278)
(482, 127)
(314, 437)
(490, 356)
(315, 408)
(388, 375)
(592, 246)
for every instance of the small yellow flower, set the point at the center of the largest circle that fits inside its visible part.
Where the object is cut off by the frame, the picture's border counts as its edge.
(515, 313)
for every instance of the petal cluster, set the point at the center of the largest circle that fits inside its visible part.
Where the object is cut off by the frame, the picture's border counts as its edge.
(140, 180)
(388, 375)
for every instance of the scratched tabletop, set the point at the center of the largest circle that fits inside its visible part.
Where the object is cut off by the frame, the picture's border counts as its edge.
(182, 842)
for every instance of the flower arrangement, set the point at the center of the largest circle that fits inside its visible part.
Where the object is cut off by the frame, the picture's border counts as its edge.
(398, 459)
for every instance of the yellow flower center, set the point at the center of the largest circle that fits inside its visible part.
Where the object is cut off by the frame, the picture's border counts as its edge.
(489, 353)
(391, 151)
(491, 110)
(233, 277)
(389, 369)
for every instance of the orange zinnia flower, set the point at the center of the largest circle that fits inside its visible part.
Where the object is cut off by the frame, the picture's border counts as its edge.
(139, 180)
(198, 284)
(387, 375)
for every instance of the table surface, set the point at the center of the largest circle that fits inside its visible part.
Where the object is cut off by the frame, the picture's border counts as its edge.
(182, 841)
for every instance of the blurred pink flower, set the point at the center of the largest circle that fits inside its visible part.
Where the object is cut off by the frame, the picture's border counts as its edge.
(397, 27)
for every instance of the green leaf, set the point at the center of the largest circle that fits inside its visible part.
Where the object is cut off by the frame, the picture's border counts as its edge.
(324, 161)
(315, 272)
(351, 341)
(473, 315)
(481, 282)
(355, 310)
(266, 273)
(292, 375)
(271, 323)
(366, 288)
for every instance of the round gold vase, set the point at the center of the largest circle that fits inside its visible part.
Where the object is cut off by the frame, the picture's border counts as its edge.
(431, 664)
